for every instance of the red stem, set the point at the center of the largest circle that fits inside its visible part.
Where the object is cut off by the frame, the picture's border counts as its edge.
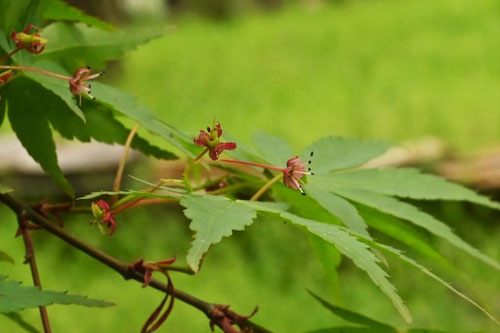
(265, 166)
(125, 206)
(7, 56)
(38, 70)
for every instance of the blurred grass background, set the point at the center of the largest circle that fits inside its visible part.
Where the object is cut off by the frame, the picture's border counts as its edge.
(395, 70)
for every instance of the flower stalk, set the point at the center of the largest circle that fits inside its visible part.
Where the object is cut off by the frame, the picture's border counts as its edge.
(292, 174)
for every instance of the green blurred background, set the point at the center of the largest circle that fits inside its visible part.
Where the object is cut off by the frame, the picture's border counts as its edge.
(381, 69)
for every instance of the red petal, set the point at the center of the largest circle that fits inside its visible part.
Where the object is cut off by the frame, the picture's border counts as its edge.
(28, 28)
(214, 154)
(227, 146)
(219, 130)
(202, 139)
(78, 74)
(102, 204)
(291, 162)
(112, 226)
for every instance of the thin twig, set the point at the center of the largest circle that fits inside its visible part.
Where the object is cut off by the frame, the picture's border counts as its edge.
(123, 161)
(181, 269)
(153, 201)
(234, 187)
(259, 165)
(124, 269)
(37, 70)
(30, 258)
(264, 188)
(7, 56)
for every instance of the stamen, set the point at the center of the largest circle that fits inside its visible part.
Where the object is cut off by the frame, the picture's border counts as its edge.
(309, 162)
(312, 153)
(89, 68)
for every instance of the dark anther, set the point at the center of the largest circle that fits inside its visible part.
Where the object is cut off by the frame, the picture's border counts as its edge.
(208, 129)
(308, 169)
(312, 173)
(312, 153)
(309, 162)
(303, 193)
(90, 86)
(89, 68)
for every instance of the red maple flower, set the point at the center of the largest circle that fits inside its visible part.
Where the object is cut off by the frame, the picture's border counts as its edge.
(33, 42)
(294, 171)
(77, 83)
(292, 174)
(103, 217)
(211, 141)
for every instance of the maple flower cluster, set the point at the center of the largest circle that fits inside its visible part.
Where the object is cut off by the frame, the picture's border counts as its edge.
(292, 174)
(30, 40)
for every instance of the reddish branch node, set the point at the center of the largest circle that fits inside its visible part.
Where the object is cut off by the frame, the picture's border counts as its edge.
(45, 209)
(227, 319)
(146, 269)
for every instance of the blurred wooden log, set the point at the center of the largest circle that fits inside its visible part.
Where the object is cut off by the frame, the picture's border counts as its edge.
(73, 157)
(480, 170)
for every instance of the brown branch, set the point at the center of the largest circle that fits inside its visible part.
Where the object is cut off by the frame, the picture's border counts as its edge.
(25, 211)
(30, 258)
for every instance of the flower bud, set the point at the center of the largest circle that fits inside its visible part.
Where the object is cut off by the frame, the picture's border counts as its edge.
(33, 42)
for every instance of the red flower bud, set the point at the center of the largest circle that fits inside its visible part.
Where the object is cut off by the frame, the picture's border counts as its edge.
(103, 217)
(33, 42)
